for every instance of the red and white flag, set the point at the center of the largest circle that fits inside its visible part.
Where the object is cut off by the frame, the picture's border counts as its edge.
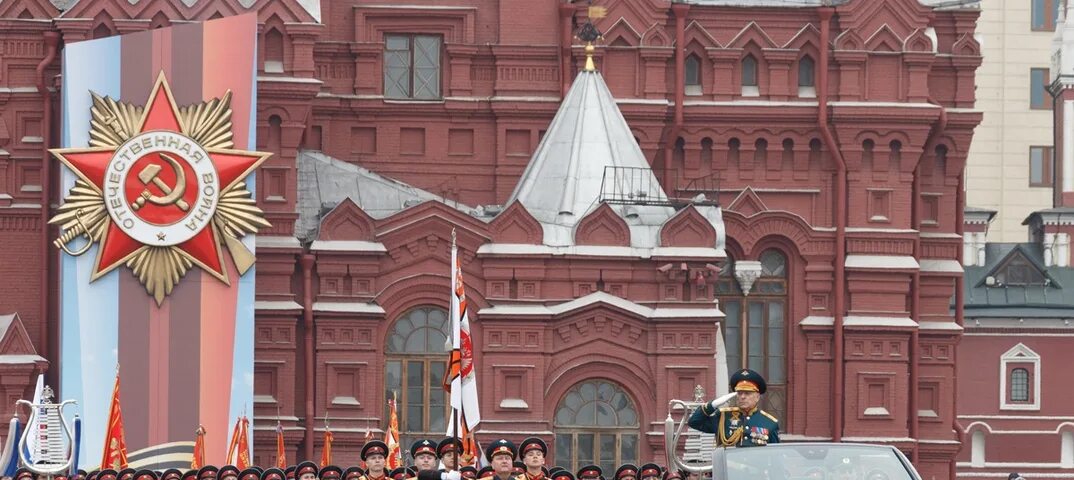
(461, 378)
(391, 437)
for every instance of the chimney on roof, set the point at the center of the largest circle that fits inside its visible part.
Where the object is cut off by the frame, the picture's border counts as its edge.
(1056, 249)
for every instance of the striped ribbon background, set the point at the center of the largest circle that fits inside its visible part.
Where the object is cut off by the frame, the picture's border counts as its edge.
(190, 360)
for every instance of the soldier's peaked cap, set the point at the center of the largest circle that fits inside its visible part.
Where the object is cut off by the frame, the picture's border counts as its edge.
(252, 473)
(228, 470)
(449, 444)
(562, 475)
(626, 470)
(374, 447)
(106, 474)
(421, 447)
(650, 470)
(501, 447)
(590, 471)
(532, 443)
(330, 471)
(747, 380)
(208, 471)
(145, 475)
(352, 472)
(273, 474)
(305, 467)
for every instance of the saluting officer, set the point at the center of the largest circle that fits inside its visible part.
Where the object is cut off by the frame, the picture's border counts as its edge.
(744, 425)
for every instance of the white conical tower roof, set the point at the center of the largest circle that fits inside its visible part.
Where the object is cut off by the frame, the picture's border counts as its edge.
(562, 182)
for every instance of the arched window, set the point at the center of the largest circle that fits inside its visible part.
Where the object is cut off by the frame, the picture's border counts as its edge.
(755, 326)
(414, 372)
(941, 165)
(806, 72)
(693, 75)
(749, 77)
(733, 146)
(596, 423)
(749, 71)
(867, 148)
(977, 449)
(274, 133)
(1019, 385)
(787, 161)
(273, 51)
(706, 154)
(1066, 449)
(894, 153)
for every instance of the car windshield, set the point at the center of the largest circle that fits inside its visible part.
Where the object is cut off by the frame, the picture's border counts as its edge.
(813, 462)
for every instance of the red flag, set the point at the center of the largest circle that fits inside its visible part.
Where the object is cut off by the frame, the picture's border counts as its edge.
(470, 452)
(115, 447)
(243, 462)
(391, 437)
(326, 451)
(199, 449)
(281, 455)
(234, 441)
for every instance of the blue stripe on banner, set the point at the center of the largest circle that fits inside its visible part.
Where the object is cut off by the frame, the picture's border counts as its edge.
(89, 319)
(242, 372)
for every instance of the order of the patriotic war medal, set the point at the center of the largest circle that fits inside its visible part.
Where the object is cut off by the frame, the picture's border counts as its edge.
(160, 190)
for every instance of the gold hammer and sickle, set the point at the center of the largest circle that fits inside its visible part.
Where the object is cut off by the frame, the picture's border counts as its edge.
(172, 195)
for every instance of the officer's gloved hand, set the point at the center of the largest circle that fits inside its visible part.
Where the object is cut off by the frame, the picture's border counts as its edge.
(452, 475)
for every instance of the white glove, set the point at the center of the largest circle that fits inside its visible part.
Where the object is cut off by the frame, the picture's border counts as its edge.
(452, 475)
(715, 404)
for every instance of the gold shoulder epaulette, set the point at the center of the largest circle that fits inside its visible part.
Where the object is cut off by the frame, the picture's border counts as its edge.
(770, 416)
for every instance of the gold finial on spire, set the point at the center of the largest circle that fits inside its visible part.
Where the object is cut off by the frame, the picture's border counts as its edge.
(589, 34)
(589, 65)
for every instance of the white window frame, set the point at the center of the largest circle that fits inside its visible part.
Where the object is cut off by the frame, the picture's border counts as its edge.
(1019, 354)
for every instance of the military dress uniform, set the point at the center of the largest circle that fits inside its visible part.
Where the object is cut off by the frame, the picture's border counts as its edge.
(733, 426)
(532, 444)
(500, 447)
(372, 447)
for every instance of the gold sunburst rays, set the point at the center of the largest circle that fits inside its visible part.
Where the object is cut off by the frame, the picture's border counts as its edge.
(112, 122)
(209, 123)
(159, 269)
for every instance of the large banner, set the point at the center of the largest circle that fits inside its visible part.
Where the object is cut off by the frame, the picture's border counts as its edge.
(157, 227)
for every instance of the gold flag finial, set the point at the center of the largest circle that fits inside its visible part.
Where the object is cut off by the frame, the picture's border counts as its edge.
(589, 65)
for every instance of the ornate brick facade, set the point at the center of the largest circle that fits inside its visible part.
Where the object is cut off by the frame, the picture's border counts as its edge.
(895, 82)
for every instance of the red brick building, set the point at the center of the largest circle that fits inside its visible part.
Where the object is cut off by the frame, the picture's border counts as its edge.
(1018, 308)
(805, 167)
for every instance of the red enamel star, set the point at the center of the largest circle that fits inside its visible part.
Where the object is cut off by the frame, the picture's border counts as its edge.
(154, 176)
